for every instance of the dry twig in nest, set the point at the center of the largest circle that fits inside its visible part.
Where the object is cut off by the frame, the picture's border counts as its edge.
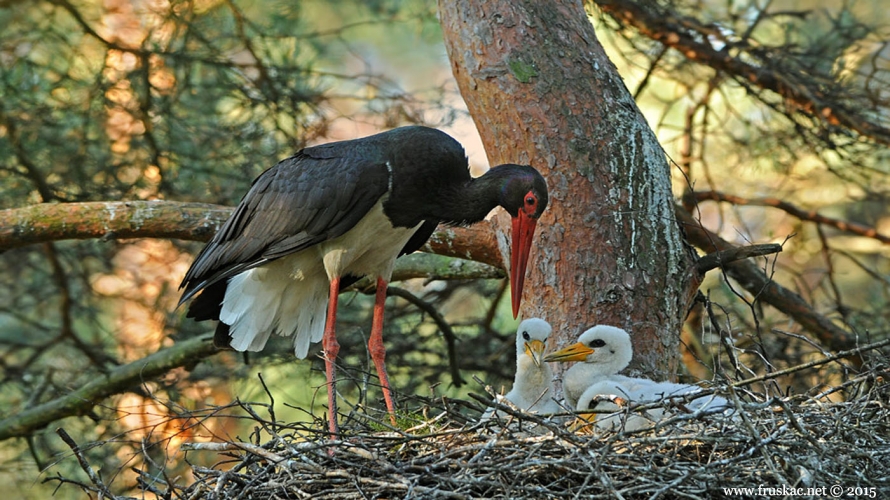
(799, 442)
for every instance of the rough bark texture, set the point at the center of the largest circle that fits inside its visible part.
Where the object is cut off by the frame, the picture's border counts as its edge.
(187, 221)
(608, 250)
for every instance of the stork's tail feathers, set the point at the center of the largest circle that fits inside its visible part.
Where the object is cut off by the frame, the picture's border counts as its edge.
(273, 299)
(221, 337)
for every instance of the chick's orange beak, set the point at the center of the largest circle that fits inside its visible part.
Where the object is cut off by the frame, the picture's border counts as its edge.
(535, 349)
(574, 352)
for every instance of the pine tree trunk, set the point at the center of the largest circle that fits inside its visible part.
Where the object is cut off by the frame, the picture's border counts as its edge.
(608, 250)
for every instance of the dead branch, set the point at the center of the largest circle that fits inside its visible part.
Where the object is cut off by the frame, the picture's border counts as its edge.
(729, 255)
(755, 281)
(756, 65)
(791, 209)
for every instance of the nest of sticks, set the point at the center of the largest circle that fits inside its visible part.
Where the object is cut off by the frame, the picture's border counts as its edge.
(803, 442)
(771, 445)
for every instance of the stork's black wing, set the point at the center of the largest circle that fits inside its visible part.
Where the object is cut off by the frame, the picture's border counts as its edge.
(316, 195)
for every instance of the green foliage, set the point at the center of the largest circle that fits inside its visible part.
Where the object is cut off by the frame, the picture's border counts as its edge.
(191, 100)
(182, 101)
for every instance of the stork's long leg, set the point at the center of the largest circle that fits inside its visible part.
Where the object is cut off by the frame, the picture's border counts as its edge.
(375, 346)
(331, 348)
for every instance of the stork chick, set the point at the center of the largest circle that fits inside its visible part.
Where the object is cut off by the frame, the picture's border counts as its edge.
(533, 388)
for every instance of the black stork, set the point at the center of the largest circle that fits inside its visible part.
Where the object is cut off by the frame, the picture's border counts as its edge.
(317, 221)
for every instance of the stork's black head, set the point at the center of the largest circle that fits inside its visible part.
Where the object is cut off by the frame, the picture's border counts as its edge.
(522, 189)
(523, 195)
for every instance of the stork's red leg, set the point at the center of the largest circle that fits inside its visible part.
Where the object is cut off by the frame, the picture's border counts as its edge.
(331, 348)
(375, 347)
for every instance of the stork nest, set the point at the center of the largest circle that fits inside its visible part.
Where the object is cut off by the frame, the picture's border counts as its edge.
(771, 443)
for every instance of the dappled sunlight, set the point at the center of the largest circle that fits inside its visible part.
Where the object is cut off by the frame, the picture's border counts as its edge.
(773, 115)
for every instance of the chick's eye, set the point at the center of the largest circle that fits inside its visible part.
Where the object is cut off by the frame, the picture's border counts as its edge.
(526, 336)
(597, 343)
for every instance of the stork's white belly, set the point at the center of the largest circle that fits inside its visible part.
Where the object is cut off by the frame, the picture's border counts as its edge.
(289, 296)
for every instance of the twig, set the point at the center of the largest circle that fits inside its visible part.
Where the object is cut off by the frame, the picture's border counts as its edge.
(804, 366)
(447, 331)
(94, 477)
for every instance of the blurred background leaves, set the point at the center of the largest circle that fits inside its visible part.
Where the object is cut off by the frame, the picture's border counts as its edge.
(190, 100)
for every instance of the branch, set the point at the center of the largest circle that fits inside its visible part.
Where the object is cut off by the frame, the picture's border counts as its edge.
(432, 266)
(109, 220)
(118, 380)
(447, 332)
(804, 215)
(729, 255)
(818, 362)
(749, 64)
(186, 221)
(753, 279)
(91, 473)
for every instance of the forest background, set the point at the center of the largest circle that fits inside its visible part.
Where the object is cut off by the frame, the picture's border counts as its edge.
(777, 133)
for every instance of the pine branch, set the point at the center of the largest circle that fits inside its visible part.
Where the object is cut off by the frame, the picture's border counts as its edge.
(187, 221)
(117, 380)
(750, 64)
(756, 282)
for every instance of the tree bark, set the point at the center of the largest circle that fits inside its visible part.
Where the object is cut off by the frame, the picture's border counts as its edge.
(187, 221)
(543, 92)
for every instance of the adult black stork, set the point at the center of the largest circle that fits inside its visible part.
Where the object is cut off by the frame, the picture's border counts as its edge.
(317, 221)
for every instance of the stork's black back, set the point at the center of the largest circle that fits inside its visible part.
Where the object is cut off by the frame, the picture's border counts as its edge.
(322, 192)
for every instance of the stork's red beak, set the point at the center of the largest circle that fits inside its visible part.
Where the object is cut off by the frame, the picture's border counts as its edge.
(523, 233)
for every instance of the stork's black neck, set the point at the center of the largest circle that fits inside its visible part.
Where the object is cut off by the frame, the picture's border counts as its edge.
(451, 196)
(473, 200)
